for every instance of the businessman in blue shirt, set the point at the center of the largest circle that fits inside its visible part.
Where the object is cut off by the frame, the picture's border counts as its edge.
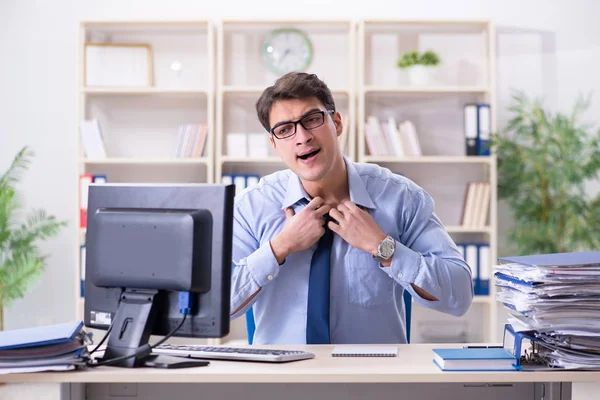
(386, 236)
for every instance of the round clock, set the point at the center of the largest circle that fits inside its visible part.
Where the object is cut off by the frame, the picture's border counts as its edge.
(286, 50)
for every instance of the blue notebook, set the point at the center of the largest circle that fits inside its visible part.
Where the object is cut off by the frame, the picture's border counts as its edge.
(39, 335)
(487, 359)
(556, 259)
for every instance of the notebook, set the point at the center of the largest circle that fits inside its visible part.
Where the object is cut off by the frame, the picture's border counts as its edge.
(364, 351)
(487, 359)
(39, 335)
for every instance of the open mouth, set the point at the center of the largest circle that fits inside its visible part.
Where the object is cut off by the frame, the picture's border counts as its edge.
(309, 155)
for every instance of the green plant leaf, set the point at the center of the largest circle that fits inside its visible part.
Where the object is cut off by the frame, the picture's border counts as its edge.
(18, 166)
(412, 58)
(18, 274)
(20, 261)
(544, 162)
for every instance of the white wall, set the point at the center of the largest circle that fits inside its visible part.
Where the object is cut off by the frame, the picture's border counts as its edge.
(549, 48)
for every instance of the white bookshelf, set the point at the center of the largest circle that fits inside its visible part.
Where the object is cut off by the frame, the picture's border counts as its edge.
(139, 124)
(242, 77)
(222, 76)
(466, 74)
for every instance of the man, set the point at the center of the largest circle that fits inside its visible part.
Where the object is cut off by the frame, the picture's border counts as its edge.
(386, 237)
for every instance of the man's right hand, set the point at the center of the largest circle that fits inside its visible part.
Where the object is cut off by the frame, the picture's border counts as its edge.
(301, 230)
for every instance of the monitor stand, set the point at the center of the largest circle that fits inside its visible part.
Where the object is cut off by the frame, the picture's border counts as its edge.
(132, 327)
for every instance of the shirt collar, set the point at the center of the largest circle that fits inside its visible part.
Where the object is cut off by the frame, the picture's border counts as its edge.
(358, 192)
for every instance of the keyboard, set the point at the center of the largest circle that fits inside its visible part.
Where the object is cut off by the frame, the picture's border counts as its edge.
(232, 353)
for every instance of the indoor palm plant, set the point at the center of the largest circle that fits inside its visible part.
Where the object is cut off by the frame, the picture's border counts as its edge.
(20, 260)
(544, 162)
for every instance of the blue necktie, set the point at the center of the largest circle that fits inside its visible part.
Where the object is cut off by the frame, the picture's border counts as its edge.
(317, 321)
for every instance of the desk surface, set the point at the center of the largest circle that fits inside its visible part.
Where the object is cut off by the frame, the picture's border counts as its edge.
(413, 364)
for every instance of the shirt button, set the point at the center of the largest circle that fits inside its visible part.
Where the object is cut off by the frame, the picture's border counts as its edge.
(400, 275)
(270, 277)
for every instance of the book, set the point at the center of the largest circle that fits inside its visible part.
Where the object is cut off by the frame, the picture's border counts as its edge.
(474, 359)
(364, 351)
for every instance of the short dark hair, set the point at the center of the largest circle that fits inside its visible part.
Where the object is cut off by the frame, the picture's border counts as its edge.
(293, 85)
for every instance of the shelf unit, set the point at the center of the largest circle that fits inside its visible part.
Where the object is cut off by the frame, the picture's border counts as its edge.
(139, 125)
(241, 78)
(222, 76)
(465, 75)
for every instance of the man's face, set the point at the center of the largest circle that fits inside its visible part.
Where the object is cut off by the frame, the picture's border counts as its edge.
(309, 153)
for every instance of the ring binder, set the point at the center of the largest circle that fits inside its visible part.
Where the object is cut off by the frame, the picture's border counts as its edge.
(525, 358)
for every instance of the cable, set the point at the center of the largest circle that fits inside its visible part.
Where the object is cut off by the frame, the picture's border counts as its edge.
(103, 338)
(108, 330)
(170, 333)
(146, 350)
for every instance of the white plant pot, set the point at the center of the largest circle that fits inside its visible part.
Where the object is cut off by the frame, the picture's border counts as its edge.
(420, 75)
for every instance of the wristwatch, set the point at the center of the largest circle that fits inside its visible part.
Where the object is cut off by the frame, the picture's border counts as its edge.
(385, 249)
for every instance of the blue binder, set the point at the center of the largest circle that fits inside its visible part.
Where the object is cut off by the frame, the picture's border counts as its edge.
(556, 259)
(39, 335)
(516, 344)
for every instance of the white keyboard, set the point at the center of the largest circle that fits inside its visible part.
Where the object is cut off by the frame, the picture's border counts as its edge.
(232, 353)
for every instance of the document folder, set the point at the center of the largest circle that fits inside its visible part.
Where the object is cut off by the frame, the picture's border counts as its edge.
(39, 336)
(523, 346)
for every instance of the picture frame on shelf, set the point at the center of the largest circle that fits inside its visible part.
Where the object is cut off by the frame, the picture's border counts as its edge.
(118, 65)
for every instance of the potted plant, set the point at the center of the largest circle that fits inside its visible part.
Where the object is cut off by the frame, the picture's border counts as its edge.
(544, 162)
(419, 65)
(20, 260)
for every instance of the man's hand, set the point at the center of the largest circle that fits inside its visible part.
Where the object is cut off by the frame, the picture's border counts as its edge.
(356, 227)
(301, 230)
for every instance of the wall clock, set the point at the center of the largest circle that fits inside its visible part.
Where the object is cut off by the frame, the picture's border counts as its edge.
(287, 49)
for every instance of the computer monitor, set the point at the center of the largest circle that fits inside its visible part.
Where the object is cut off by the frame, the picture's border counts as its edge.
(148, 248)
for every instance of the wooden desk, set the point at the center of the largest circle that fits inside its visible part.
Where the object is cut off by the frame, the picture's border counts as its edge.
(412, 373)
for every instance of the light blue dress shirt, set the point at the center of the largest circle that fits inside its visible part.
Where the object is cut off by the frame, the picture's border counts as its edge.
(366, 298)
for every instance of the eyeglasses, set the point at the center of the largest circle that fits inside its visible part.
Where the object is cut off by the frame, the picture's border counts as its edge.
(313, 120)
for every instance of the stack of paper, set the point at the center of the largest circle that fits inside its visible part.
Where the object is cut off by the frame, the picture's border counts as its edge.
(556, 297)
(58, 347)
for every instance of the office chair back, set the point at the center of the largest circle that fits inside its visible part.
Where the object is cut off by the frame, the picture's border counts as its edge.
(250, 325)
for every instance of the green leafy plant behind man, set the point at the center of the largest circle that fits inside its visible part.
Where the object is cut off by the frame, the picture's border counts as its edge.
(412, 58)
(20, 233)
(544, 162)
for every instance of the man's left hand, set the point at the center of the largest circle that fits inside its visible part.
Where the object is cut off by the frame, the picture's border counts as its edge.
(356, 227)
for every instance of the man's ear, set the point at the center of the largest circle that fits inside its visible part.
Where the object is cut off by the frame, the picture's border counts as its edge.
(339, 124)
(272, 142)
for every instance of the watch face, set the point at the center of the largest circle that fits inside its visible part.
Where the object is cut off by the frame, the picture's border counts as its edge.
(286, 50)
(387, 248)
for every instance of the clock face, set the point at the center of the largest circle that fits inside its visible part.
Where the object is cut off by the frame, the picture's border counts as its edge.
(286, 50)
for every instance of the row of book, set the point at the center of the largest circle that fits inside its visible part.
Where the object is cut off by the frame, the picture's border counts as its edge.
(191, 140)
(478, 258)
(383, 138)
(390, 138)
(84, 183)
(476, 205)
(241, 181)
(400, 139)
(477, 129)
